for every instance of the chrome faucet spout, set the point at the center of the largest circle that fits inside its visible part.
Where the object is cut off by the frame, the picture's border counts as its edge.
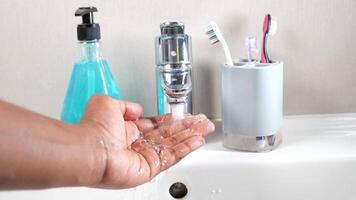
(173, 71)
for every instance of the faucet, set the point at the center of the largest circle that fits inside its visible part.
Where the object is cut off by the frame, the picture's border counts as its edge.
(173, 69)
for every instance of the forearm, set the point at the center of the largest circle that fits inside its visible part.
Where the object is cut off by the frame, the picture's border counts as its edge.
(39, 152)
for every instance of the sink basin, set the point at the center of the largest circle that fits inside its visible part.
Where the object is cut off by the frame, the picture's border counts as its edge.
(316, 161)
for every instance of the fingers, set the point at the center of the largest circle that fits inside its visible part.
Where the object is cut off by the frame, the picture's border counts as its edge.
(164, 146)
(132, 132)
(167, 118)
(104, 106)
(189, 145)
(204, 127)
(179, 137)
(171, 156)
(130, 110)
(168, 129)
(170, 150)
(145, 124)
(161, 157)
(199, 123)
(104, 112)
(150, 152)
(150, 123)
(159, 119)
(178, 146)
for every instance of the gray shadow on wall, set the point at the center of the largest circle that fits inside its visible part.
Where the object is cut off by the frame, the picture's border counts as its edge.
(301, 96)
(204, 90)
(234, 24)
(135, 69)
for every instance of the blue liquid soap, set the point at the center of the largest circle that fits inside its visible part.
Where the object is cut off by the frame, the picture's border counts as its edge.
(91, 75)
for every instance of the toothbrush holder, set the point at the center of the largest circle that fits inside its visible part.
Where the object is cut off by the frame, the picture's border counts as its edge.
(252, 105)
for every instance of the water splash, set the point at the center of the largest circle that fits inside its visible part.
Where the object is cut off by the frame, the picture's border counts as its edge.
(215, 193)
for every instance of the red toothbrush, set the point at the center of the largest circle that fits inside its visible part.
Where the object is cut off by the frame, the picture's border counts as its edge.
(269, 28)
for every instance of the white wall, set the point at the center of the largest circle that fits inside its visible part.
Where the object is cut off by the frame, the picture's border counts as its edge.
(316, 40)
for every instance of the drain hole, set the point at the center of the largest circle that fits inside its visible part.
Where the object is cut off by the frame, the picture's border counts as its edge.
(178, 190)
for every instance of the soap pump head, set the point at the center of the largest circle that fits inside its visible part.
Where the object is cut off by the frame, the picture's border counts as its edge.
(87, 30)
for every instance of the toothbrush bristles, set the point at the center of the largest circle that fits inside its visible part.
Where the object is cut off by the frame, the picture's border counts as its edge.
(215, 36)
(211, 34)
(214, 41)
(208, 28)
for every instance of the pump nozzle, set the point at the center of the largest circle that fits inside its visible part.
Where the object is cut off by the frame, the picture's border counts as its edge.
(88, 30)
(87, 14)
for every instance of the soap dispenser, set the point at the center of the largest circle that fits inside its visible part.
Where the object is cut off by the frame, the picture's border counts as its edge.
(91, 73)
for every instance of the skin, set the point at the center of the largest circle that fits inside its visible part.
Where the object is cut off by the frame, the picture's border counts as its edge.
(112, 146)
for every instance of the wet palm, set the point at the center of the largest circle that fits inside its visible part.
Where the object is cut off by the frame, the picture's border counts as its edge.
(139, 149)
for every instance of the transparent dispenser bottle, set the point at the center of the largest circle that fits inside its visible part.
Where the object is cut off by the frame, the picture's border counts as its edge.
(91, 73)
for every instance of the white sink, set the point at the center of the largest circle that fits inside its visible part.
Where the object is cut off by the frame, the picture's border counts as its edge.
(316, 161)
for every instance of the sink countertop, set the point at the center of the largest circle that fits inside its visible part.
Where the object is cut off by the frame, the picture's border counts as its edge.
(316, 160)
(305, 138)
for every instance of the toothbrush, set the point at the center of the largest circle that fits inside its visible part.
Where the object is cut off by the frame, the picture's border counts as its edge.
(269, 28)
(251, 46)
(215, 36)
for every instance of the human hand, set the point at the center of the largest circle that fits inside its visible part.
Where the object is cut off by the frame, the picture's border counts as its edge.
(137, 149)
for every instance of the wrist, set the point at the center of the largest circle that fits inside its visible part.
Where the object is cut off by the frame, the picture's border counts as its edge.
(95, 159)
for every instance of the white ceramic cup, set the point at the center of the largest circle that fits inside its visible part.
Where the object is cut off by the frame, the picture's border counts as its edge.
(252, 105)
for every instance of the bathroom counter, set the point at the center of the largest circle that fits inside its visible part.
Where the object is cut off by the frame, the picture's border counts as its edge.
(308, 137)
(317, 160)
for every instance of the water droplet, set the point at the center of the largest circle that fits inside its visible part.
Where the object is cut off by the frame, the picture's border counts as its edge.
(157, 149)
(140, 171)
(201, 117)
(157, 162)
(164, 161)
(141, 135)
(151, 142)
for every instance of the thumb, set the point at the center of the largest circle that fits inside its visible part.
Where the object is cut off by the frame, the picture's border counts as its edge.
(131, 111)
(105, 107)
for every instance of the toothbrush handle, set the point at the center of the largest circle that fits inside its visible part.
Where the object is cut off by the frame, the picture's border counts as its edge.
(227, 53)
(249, 54)
(264, 55)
